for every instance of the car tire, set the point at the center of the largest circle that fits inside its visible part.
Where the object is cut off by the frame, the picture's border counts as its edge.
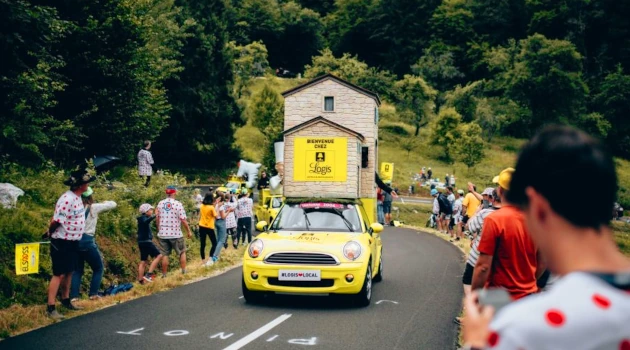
(379, 275)
(251, 297)
(364, 297)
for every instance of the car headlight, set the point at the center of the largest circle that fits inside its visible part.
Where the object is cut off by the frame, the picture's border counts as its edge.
(255, 248)
(352, 250)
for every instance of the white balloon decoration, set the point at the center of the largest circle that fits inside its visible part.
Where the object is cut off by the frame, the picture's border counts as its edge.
(251, 170)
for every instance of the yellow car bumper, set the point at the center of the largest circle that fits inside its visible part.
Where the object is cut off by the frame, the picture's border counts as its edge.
(333, 278)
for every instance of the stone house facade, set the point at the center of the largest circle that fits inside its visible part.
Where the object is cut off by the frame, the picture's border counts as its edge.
(328, 106)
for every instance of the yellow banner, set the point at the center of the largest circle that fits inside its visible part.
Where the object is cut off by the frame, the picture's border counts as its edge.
(320, 159)
(387, 172)
(26, 258)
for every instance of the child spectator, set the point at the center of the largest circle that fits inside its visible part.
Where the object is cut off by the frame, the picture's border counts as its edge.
(145, 243)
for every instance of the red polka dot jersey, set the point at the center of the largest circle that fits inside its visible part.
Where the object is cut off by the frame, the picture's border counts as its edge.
(580, 311)
(70, 213)
(170, 213)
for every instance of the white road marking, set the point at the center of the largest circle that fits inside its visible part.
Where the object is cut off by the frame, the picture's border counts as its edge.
(132, 332)
(176, 333)
(272, 338)
(257, 333)
(390, 301)
(221, 335)
(241, 297)
(311, 341)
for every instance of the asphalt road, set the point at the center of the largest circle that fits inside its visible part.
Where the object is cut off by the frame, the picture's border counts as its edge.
(412, 308)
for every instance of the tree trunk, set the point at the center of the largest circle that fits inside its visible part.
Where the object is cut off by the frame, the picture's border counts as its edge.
(417, 129)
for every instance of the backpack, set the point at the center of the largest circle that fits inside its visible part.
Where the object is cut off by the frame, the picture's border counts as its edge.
(445, 205)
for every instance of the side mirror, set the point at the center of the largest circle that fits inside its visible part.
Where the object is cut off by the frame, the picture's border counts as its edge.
(376, 227)
(262, 226)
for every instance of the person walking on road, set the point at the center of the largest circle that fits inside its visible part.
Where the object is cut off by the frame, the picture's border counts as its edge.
(88, 250)
(508, 257)
(65, 231)
(207, 217)
(589, 306)
(170, 218)
(146, 245)
(145, 163)
(244, 213)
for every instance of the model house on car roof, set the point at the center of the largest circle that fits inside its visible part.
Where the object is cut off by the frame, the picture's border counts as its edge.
(330, 140)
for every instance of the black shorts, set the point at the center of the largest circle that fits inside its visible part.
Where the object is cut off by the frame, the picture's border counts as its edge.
(148, 249)
(468, 274)
(452, 223)
(387, 207)
(465, 219)
(64, 255)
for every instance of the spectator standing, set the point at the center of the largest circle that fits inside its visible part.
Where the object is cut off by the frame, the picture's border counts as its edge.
(145, 162)
(230, 220)
(88, 250)
(429, 173)
(588, 307)
(145, 244)
(457, 213)
(222, 212)
(436, 207)
(379, 206)
(508, 257)
(170, 218)
(387, 207)
(65, 231)
(446, 210)
(207, 218)
(244, 213)
(263, 182)
(470, 204)
(447, 181)
(451, 222)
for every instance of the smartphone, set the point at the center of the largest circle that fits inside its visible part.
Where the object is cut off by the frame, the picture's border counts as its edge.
(495, 297)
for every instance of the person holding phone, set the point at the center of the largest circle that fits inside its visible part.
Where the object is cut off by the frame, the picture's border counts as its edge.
(589, 306)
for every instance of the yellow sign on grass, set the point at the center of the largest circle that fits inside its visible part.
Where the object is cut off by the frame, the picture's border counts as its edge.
(387, 172)
(26, 258)
(320, 159)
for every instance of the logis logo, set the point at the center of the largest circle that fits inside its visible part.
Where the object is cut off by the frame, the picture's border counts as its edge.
(317, 168)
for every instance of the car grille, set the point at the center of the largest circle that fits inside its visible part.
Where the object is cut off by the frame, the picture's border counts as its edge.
(304, 284)
(301, 259)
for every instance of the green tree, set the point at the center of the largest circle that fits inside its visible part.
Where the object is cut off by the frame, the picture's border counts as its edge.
(437, 68)
(491, 115)
(415, 100)
(249, 61)
(446, 132)
(266, 111)
(613, 102)
(323, 7)
(409, 144)
(469, 147)
(200, 130)
(464, 99)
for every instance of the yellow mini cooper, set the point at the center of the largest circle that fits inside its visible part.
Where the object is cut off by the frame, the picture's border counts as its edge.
(315, 247)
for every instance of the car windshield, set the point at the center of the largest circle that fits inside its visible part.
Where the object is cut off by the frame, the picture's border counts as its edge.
(233, 185)
(276, 202)
(318, 217)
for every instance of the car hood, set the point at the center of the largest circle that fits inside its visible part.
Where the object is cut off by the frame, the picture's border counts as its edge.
(304, 241)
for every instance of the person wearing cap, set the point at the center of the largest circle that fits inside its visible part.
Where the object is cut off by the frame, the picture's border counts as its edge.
(145, 162)
(207, 219)
(145, 244)
(508, 258)
(589, 306)
(88, 250)
(457, 214)
(244, 213)
(436, 206)
(170, 218)
(450, 223)
(65, 231)
(471, 203)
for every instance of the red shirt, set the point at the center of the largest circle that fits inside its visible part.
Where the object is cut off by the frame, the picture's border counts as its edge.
(514, 262)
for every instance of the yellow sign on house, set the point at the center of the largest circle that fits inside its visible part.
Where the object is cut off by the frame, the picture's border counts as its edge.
(26, 258)
(387, 172)
(320, 159)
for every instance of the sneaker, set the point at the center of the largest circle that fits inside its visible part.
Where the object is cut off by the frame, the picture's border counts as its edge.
(215, 259)
(210, 262)
(71, 306)
(163, 275)
(225, 245)
(457, 239)
(55, 315)
(147, 277)
(243, 244)
(74, 299)
(183, 271)
(95, 297)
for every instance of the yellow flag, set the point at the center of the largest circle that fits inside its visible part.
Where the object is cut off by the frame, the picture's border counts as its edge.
(387, 172)
(26, 258)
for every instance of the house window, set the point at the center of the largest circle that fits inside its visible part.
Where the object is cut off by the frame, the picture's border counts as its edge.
(329, 104)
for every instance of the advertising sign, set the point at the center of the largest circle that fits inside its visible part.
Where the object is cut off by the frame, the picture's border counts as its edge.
(320, 159)
(26, 258)
(387, 172)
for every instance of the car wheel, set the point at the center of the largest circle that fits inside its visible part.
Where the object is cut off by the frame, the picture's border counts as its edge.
(251, 297)
(365, 295)
(379, 276)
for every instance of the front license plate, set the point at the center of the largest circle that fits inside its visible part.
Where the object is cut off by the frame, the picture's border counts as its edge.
(299, 275)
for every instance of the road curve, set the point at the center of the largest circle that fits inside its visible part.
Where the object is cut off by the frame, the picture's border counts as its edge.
(412, 308)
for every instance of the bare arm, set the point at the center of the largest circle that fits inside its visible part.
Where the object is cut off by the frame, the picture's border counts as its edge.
(481, 271)
(471, 188)
(185, 223)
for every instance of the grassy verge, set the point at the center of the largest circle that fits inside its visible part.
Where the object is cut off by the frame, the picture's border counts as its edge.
(18, 319)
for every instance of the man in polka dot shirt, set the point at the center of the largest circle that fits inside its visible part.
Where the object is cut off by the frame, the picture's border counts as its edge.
(589, 306)
(170, 217)
(65, 231)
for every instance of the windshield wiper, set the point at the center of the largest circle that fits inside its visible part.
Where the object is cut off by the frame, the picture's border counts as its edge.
(307, 222)
(345, 220)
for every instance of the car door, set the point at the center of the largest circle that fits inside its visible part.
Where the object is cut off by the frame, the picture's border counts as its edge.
(374, 239)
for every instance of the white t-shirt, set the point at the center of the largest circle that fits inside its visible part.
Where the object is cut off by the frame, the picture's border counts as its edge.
(171, 213)
(581, 311)
(70, 213)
